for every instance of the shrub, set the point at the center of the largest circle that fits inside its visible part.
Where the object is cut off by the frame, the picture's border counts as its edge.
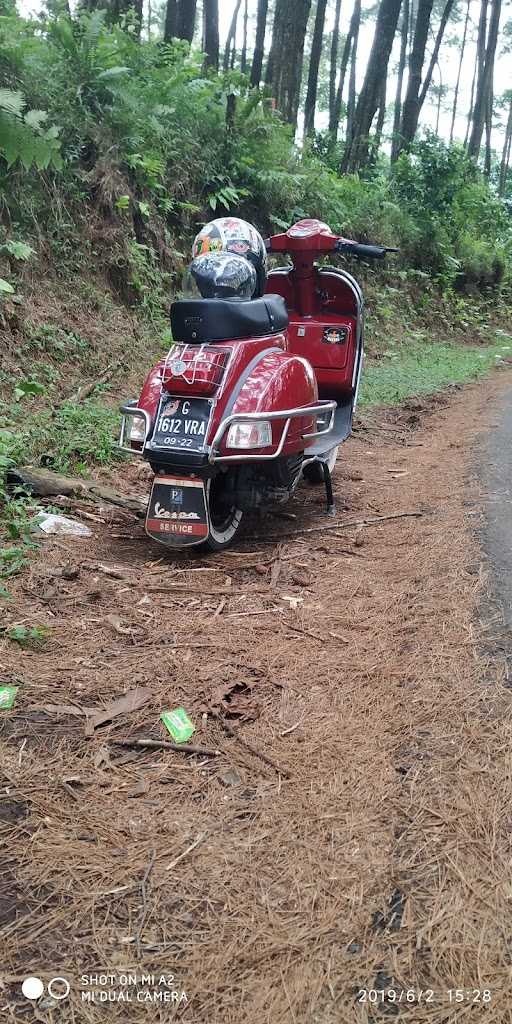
(151, 144)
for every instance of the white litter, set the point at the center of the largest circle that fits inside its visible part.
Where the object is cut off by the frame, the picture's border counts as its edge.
(49, 523)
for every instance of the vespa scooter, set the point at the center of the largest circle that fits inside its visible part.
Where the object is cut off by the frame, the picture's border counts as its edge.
(253, 394)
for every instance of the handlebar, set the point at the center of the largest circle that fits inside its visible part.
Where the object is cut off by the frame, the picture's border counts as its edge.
(324, 244)
(370, 252)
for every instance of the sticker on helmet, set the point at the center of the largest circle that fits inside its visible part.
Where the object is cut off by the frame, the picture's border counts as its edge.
(239, 247)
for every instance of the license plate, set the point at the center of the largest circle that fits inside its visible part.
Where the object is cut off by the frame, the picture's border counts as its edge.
(177, 511)
(182, 424)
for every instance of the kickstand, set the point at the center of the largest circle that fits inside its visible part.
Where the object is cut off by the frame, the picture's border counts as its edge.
(331, 507)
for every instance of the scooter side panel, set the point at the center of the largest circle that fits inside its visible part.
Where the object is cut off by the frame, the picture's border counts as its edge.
(280, 381)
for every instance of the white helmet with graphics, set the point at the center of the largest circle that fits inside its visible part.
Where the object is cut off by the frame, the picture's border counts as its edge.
(231, 234)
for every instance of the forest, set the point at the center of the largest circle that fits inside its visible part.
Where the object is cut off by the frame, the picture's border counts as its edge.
(127, 125)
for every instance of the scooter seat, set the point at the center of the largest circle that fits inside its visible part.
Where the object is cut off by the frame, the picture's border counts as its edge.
(200, 320)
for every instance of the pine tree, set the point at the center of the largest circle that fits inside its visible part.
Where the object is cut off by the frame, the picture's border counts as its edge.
(314, 63)
(487, 41)
(356, 151)
(259, 45)
(284, 68)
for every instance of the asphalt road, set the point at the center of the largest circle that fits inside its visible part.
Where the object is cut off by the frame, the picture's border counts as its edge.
(496, 474)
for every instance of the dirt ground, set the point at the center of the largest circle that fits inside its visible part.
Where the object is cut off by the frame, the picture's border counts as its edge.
(363, 872)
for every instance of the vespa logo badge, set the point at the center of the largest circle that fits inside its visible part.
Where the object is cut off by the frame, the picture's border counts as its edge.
(178, 367)
(335, 335)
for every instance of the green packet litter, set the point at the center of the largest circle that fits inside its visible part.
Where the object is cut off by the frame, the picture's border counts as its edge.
(178, 724)
(7, 696)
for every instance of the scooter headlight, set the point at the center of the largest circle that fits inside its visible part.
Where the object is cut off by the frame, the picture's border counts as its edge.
(250, 434)
(136, 429)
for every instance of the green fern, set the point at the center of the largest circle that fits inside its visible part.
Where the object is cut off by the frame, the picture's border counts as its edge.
(23, 136)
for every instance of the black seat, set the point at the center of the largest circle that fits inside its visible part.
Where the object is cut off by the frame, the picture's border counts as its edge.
(199, 320)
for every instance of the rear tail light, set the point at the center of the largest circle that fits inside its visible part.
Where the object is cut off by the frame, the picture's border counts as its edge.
(137, 429)
(250, 434)
(190, 366)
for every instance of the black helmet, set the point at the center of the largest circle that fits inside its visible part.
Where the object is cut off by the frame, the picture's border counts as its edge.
(232, 234)
(223, 275)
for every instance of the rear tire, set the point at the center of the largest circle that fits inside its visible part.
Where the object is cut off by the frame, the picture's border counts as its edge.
(314, 472)
(225, 518)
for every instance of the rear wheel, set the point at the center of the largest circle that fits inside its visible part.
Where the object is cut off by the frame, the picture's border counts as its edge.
(314, 472)
(225, 518)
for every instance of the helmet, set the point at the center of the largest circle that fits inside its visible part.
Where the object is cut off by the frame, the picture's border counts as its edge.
(223, 275)
(231, 234)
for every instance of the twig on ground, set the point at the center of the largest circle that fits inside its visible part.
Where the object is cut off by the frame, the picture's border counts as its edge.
(144, 899)
(87, 389)
(305, 632)
(20, 754)
(292, 728)
(177, 860)
(336, 526)
(70, 791)
(234, 733)
(182, 748)
(174, 588)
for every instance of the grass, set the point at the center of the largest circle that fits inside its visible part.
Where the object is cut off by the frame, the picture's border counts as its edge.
(72, 438)
(423, 368)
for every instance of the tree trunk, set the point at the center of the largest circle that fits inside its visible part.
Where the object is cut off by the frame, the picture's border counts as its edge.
(471, 104)
(353, 32)
(482, 36)
(356, 153)
(439, 98)
(435, 54)
(351, 103)
(259, 46)
(410, 112)
(186, 19)
(243, 60)
(484, 80)
(137, 6)
(284, 69)
(505, 156)
(380, 123)
(314, 63)
(170, 25)
(395, 146)
(333, 67)
(413, 11)
(211, 33)
(459, 72)
(231, 36)
(488, 131)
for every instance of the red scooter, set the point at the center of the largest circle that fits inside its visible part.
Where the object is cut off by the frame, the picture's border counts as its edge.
(253, 394)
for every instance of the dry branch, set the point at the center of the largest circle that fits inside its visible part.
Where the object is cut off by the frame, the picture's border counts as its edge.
(181, 748)
(235, 734)
(337, 526)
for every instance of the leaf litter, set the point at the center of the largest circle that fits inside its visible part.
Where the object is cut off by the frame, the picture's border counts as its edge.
(373, 843)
